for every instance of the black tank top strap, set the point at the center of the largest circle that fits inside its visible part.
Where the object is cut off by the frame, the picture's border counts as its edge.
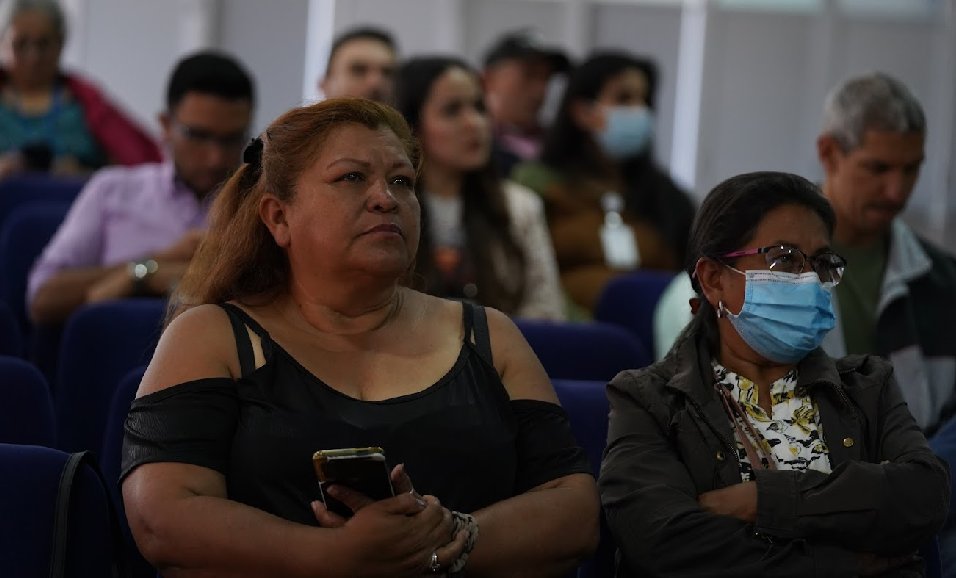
(240, 320)
(476, 321)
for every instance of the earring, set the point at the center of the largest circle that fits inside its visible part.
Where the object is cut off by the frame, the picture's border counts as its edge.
(720, 309)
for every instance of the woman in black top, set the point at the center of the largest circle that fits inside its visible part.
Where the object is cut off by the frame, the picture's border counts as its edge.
(293, 333)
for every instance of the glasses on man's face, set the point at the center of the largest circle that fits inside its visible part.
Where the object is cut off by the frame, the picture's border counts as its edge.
(42, 46)
(828, 266)
(202, 137)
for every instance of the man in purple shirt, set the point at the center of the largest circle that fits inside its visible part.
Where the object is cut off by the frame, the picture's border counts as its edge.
(133, 230)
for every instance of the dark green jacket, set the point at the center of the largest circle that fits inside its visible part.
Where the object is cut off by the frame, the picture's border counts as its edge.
(670, 441)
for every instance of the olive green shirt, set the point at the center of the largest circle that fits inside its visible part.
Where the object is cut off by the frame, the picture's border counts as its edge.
(858, 294)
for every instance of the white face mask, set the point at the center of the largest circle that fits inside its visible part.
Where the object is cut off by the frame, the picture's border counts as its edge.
(628, 131)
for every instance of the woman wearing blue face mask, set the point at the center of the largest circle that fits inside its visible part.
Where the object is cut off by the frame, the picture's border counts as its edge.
(747, 451)
(611, 209)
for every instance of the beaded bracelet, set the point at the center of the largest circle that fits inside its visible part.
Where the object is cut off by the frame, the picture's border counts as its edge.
(464, 522)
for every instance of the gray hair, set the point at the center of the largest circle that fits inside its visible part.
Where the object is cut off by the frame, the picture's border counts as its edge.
(875, 101)
(10, 9)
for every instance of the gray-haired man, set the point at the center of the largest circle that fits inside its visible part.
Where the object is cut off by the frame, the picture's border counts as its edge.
(896, 298)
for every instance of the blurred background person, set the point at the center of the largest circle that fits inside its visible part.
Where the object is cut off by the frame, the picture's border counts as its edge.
(51, 120)
(610, 208)
(517, 71)
(132, 231)
(361, 64)
(485, 239)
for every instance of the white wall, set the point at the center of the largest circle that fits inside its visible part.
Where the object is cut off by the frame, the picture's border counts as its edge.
(129, 46)
(270, 39)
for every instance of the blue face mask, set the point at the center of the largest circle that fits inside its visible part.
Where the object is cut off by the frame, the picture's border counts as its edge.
(785, 316)
(627, 131)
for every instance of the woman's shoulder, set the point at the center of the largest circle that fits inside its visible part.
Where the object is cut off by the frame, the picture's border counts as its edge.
(536, 176)
(522, 201)
(663, 384)
(645, 382)
(200, 317)
(863, 371)
(84, 90)
(198, 343)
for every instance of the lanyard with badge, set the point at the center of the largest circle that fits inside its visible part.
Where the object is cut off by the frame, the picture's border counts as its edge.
(617, 239)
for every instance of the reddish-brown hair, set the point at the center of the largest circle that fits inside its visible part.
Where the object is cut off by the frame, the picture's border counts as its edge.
(238, 259)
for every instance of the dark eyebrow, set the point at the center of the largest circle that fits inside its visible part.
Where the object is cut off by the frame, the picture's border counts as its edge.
(820, 251)
(790, 244)
(361, 163)
(400, 164)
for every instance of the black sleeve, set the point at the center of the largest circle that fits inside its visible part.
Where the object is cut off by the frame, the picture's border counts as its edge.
(191, 423)
(546, 448)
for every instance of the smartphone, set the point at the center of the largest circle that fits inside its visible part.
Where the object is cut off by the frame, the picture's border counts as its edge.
(37, 156)
(361, 469)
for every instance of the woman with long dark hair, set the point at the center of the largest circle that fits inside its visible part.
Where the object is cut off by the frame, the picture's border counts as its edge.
(610, 208)
(747, 450)
(484, 239)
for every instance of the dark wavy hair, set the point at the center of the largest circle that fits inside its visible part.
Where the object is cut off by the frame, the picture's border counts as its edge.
(727, 221)
(573, 152)
(485, 216)
(568, 146)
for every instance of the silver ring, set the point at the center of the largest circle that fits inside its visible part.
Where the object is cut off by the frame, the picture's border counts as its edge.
(434, 566)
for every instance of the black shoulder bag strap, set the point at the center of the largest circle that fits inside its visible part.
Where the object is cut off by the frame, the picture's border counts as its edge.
(61, 513)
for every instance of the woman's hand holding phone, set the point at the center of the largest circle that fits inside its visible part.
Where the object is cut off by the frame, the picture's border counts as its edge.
(395, 536)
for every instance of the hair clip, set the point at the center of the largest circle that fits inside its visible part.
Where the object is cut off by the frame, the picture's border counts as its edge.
(253, 153)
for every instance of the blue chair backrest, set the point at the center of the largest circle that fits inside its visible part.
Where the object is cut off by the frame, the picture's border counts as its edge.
(932, 559)
(585, 351)
(26, 410)
(11, 339)
(101, 344)
(630, 300)
(25, 235)
(28, 496)
(36, 188)
(111, 455)
(111, 459)
(587, 407)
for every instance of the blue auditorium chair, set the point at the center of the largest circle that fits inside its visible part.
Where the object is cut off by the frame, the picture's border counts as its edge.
(36, 188)
(111, 459)
(588, 351)
(30, 500)
(26, 410)
(101, 343)
(25, 233)
(587, 407)
(11, 339)
(630, 300)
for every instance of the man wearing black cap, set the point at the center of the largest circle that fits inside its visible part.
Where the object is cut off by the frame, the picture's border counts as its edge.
(516, 73)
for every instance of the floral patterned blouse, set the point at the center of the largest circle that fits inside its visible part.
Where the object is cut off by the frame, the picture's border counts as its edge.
(792, 434)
